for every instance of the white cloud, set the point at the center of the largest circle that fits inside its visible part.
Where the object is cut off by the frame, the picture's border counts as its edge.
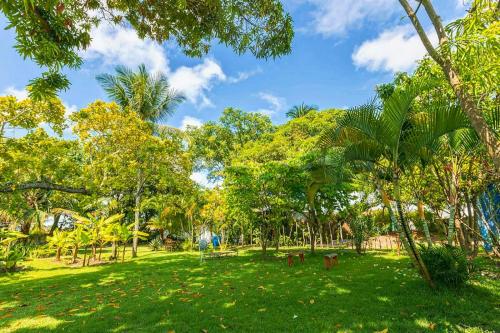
(242, 76)
(193, 82)
(119, 45)
(393, 50)
(275, 104)
(337, 17)
(20, 94)
(115, 45)
(190, 121)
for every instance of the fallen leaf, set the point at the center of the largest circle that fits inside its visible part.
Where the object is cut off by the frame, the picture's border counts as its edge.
(385, 330)
(432, 326)
(262, 310)
(311, 301)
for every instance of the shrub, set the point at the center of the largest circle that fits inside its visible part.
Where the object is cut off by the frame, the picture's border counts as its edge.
(186, 245)
(155, 244)
(446, 264)
(9, 257)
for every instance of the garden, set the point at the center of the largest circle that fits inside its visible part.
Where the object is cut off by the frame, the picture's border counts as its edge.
(383, 216)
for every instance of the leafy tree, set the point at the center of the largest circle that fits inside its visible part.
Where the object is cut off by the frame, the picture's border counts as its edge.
(462, 45)
(215, 144)
(390, 137)
(52, 33)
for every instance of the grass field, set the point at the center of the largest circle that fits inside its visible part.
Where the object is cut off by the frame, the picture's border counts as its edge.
(164, 292)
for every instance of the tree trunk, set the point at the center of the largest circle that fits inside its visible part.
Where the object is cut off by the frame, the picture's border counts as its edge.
(75, 254)
(84, 256)
(425, 226)
(123, 252)
(55, 225)
(466, 101)
(411, 247)
(58, 254)
(135, 241)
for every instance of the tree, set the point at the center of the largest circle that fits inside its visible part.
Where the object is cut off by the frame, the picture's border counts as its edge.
(53, 33)
(124, 168)
(455, 55)
(300, 110)
(149, 95)
(215, 144)
(390, 136)
(59, 240)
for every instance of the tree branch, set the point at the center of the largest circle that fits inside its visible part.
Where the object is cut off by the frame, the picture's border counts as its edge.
(7, 188)
(421, 32)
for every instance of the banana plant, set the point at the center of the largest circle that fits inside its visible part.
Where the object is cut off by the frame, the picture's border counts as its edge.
(60, 241)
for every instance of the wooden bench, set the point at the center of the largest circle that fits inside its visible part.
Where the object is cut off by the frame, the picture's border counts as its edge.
(331, 259)
(299, 254)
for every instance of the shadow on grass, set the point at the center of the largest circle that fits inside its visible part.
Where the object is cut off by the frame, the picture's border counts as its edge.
(161, 292)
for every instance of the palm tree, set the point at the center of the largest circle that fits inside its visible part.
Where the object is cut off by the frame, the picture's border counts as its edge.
(298, 111)
(389, 137)
(149, 95)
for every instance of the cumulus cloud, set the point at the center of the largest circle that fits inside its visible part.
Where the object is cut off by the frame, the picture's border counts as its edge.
(193, 82)
(276, 104)
(191, 122)
(119, 45)
(337, 17)
(17, 93)
(393, 50)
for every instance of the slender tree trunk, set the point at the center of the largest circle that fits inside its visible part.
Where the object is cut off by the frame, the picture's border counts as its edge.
(135, 241)
(425, 226)
(84, 255)
(413, 251)
(55, 225)
(138, 192)
(123, 252)
(75, 254)
(443, 59)
(58, 254)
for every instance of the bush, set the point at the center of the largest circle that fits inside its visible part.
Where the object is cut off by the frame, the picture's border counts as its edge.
(446, 264)
(155, 244)
(9, 258)
(186, 245)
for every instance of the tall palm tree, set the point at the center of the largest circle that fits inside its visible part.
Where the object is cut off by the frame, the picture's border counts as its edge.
(298, 111)
(150, 95)
(390, 136)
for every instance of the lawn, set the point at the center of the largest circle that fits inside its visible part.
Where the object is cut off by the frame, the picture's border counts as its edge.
(164, 292)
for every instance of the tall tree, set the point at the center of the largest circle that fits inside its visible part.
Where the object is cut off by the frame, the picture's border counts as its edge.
(476, 30)
(149, 95)
(300, 110)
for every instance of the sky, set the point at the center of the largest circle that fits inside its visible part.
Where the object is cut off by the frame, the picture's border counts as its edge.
(341, 50)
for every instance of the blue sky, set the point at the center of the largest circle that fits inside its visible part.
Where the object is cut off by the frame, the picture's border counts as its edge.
(341, 50)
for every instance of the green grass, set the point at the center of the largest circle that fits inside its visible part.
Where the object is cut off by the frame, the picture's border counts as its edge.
(162, 292)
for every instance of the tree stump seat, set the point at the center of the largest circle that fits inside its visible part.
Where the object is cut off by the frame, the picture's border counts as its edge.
(299, 254)
(331, 259)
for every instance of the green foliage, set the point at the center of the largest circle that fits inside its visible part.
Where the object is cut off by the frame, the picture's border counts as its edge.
(447, 265)
(53, 33)
(155, 244)
(149, 95)
(362, 228)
